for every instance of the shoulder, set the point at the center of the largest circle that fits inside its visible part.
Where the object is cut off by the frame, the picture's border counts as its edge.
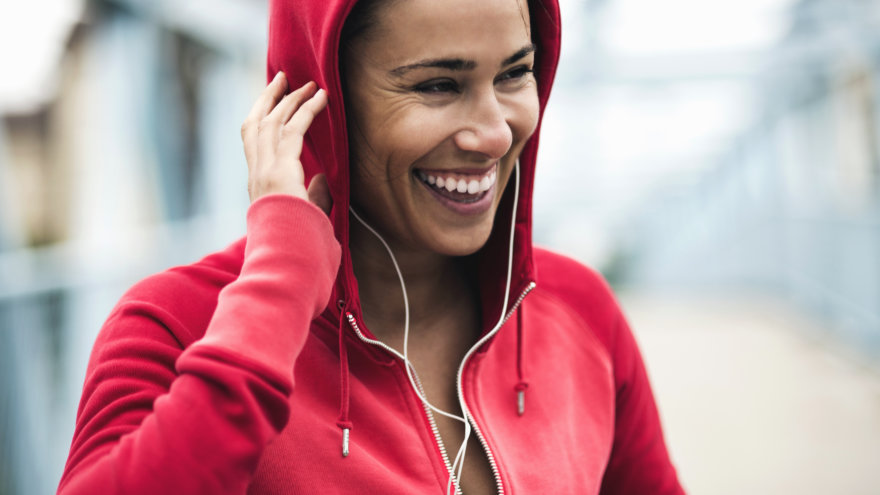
(582, 289)
(181, 299)
(557, 269)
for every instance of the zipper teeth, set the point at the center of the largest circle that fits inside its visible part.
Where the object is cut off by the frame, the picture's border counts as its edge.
(436, 432)
(428, 412)
(465, 410)
(519, 301)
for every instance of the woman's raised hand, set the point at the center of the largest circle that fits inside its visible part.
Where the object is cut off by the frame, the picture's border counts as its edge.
(273, 139)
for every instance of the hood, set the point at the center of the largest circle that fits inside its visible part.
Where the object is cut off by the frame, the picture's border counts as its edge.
(304, 38)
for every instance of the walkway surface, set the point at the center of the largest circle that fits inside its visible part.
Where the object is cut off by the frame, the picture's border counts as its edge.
(756, 401)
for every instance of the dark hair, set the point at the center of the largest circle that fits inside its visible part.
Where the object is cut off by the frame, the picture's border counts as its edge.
(363, 16)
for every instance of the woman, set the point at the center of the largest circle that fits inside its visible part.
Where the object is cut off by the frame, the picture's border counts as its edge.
(278, 365)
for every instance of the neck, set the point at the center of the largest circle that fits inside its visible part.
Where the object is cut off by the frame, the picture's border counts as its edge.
(434, 284)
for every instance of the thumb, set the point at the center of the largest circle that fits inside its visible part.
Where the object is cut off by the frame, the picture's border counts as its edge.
(319, 193)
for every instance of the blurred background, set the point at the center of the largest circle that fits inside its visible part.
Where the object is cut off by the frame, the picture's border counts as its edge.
(718, 161)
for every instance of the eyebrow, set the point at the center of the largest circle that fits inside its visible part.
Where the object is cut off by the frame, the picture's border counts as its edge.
(459, 64)
(521, 53)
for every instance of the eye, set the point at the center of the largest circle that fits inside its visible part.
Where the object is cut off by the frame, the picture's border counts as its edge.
(437, 86)
(516, 74)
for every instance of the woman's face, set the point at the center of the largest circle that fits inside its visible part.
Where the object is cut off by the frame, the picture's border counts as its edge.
(441, 100)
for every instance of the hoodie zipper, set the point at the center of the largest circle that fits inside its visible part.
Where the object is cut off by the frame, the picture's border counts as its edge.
(353, 322)
(464, 409)
(491, 457)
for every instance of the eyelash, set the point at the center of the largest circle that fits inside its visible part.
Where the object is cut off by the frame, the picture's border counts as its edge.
(449, 85)
(521, 71)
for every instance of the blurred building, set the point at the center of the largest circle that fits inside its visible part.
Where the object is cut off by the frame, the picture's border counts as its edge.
(744, 160)
(791, 207)
(124, 160)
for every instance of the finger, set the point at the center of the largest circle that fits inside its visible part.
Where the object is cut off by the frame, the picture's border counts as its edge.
(319, 193)
(269, 97)
(301, 120)
(270, 125)
(293, 132)
(267, 143)
(250, 128)
(269, 129)
(290, 103)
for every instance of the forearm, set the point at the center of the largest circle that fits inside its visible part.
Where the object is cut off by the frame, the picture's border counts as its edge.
(158, 419)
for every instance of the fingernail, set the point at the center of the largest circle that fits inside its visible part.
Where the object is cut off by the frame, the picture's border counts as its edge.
(278, 75)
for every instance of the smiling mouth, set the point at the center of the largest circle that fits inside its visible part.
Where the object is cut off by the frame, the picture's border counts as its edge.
(459, 187)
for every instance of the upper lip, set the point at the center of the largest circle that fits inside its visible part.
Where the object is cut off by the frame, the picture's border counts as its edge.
(460, 171)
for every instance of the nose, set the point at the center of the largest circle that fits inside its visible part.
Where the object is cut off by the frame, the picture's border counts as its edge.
(486, 130)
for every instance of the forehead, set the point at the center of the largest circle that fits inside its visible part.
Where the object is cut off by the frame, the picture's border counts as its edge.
(411, 29)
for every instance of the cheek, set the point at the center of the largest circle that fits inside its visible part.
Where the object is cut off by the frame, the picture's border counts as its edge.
(387, 147)
(528, 112)
(411, 136)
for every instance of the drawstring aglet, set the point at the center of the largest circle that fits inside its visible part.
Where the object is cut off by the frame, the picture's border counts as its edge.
(345, 435)
(520, 402)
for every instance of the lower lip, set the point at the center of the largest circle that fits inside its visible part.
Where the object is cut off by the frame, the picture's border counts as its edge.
(477, 207)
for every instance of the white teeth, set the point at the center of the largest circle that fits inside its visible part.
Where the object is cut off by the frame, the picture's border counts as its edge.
(485, 184)
(469, 186)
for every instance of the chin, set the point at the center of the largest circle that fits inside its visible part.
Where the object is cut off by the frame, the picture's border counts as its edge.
(464, 243)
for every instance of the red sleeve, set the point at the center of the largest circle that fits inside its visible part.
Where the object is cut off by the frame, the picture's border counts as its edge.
(640, 462)
(155, 418)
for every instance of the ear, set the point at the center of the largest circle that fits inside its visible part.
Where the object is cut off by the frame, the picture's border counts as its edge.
(319, 193)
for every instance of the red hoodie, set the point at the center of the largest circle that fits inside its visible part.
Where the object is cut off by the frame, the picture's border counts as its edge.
(249, 370)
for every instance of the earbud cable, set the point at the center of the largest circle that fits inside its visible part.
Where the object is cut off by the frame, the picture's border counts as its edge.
(458, 462)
